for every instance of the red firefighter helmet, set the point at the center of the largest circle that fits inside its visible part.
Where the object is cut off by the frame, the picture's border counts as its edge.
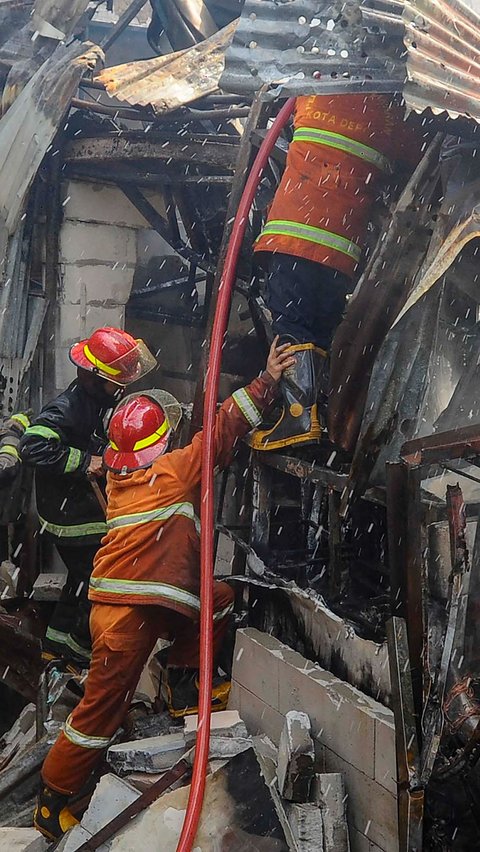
(139, 430)
(114, 355)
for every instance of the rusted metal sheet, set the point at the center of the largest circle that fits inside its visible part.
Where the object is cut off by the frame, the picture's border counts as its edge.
(171, 81)
(56, 19)
(458, 220)
(377, 300)
(443, 42)
(317, 47)
(29, 126)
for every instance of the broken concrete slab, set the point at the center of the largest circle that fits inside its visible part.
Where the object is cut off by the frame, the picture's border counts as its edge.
(296, 758)
(17, 839)
(238, 815)
(74, 838)
(328, 792)
(48, 587)
(305, 821)
(39, 844)
(153, 754)
(226, 723)
(112, 795)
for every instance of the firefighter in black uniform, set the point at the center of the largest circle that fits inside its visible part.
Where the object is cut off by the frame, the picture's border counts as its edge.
(64, 444)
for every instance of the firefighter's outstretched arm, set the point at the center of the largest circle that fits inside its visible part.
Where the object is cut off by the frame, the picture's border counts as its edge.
(240, 413)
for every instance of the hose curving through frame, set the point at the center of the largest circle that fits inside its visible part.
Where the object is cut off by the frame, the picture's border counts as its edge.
(197, 788)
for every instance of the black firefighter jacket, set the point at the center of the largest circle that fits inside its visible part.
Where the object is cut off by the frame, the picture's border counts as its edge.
(59, 444)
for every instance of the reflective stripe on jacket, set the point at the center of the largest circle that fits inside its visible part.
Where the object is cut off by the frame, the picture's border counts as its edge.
(342, 147)
(151, 553)
(59, 445)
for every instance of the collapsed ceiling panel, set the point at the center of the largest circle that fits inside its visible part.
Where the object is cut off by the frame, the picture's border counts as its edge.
(443, 42)
(317, 47)
(171, 81)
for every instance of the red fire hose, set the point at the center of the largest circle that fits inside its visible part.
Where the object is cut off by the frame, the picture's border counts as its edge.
(197, 789)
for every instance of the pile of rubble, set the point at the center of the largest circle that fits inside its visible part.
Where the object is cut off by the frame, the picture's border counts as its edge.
(257, 797)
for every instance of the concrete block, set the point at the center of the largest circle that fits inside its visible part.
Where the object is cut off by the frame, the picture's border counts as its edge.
(149, 755)
(112, 795)
(256, 665)
(70, 325)
(371, 809)
(259, 717)
(385, 755)
(97, 317)
(108, 285)
(342, 717)
(227, 723)
(92, 202)
(65, 371)
(102, 284)
(339, 713)
(329, 795)
(225, 555)
(48, 587)
(84, 244)
(307, 828)
(296, 758)
(17, 839)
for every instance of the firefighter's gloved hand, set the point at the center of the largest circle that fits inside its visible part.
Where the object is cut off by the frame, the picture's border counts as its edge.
(9, 468)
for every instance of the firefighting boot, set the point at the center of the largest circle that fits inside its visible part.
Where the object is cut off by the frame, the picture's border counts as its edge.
(299, 385)
(51, 817)
(179, 690)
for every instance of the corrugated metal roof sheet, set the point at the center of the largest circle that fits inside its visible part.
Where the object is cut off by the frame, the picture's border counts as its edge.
(317, 46)
(443, 42)
(168, 82)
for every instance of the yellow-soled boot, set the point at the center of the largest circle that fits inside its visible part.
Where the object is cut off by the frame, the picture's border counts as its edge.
(298, 422)
(179, 690)
(52, 818)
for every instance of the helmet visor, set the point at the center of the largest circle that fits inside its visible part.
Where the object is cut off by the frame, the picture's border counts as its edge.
(131, 366)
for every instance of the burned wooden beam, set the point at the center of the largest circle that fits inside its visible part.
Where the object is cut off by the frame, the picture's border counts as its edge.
(152, 147)
(158, 223)
(454, 444)
(411, 794)
(404, 519)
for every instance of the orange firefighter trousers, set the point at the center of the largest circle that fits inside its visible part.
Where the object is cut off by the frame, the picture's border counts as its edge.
(123, 638)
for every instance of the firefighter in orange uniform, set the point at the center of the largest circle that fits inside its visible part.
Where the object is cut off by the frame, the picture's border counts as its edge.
(343, 149)
(146, 577)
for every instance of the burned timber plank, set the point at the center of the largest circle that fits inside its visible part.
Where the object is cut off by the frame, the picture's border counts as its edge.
(152, 147)
(411, 795)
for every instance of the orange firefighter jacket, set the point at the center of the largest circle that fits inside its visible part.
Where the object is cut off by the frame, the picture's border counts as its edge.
(151, 552)
(342, 148)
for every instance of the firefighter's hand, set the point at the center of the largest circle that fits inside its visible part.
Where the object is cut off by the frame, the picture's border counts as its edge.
(95, 469)
(279, 359)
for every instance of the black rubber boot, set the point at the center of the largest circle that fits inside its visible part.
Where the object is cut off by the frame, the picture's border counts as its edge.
(179, 690)
(52, 817)
(299, 422)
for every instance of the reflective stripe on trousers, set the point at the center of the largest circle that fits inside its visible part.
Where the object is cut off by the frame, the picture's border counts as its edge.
(151, 589)
(84, 740)
(345, 144)
(284, 228)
